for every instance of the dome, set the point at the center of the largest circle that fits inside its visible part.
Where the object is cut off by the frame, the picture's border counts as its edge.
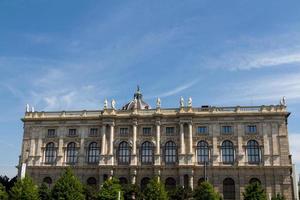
(137, 102)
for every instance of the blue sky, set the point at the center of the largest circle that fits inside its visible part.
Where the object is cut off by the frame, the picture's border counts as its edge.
(71, 55)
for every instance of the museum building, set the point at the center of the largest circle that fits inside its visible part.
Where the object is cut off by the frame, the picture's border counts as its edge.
(228, 146)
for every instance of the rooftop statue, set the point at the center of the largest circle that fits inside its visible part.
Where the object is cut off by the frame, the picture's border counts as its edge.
(181, 102)
(190, 101)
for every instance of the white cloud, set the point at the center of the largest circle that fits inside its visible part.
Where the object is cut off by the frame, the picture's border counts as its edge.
(178, 89)
(294, 139)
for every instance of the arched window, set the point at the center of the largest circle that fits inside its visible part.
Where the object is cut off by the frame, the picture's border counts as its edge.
(50, 153)
(228, 189)
(254, 180)
(93, 153)
(202, 152)
(201, 180)
(48, 181)
(170, 153)
(186, 181)
(147, 153)
(170, 183)
(227, 152)
(144, 183)
(124, 153)
(123, 181)
(253, 152)
(71, 153)
(91, 181)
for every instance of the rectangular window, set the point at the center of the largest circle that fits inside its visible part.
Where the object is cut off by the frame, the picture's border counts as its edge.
(170, 130)
(202, 130)
(124, 131)
(72, 132)
(227, 129)
(251, 129)
(146, 131)
(51, 133)
(93, 132)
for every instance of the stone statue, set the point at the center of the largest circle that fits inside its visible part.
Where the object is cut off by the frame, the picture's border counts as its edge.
(283, 101)
(181, 102)
(113, 104)
(27, 108)
(105, 104)
(135, 103)
(32, 109)
(158, 102)
(190, 101)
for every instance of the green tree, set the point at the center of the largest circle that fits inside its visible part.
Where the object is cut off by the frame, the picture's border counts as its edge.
(278, 197)
(67, 187)
(205, 191)
(131, 190)
(180, 193)
(91, 192)
(44, 192)
(110, 190)
(254, 191)
(155, 190)
(3, 194)
(24, 189)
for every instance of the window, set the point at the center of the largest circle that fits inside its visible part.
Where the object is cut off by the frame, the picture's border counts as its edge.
(72, 132)
(47, 180)
(170, 153)
(51, 133)
(227, 129)
(124, 131)
(91, 181)
(144, 183)
(170, 184)
(228, 189)
(251, 129)
(227, 152)
(146, 131)
(202, 130)
(93, 132)
(124, 153)
(254, 180)
(253, 151)
(71, 153)
(202, 152)
(123, 181)
(50, 153)
(170, 130)
(93, 153)
(186, 181)
(147, 153)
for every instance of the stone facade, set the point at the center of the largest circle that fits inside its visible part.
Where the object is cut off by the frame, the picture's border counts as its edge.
(229, 146)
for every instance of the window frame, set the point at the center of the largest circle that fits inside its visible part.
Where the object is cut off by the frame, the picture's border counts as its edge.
(147, 153)
(229, 157)
(170, 154)
(93, 153)
(50, 153)
(203, 147)
(124, 153)
(71, 153)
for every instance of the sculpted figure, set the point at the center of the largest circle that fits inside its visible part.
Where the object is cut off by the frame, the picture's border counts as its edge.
(190, 101)
(27, 108)
(181, 102)
(105, 103)
(113, 104)
(158, 102)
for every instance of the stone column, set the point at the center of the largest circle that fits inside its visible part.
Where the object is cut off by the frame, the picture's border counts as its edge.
(111, 144)
(38, 151)
(190, 138)
(60, 154)
(182, 144)
(32, 152)
(81, 159)
(103, 149)
(134, 136)
(157, 156)
(191, 181)
(181, 180)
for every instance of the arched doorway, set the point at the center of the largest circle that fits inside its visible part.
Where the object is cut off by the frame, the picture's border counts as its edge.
(228, 189)
(170, 183)
(144, 183)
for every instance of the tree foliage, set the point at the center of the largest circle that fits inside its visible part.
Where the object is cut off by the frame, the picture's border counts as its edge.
(8, 183)
(110, 190)
(44, 192)
(131, 190)
(3, 194)
(155, 190)
(67, 187)
(278, 197)
(24, 189)
(180, 193)
(205, 191)
(254, 191)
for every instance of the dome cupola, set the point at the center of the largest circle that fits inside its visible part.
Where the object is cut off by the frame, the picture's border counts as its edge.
(137, 102)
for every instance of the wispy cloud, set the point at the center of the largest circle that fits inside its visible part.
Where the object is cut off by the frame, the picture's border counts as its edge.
(294, 139)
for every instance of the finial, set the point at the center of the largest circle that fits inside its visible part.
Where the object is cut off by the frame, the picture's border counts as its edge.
(138, 88)
(32, 109)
